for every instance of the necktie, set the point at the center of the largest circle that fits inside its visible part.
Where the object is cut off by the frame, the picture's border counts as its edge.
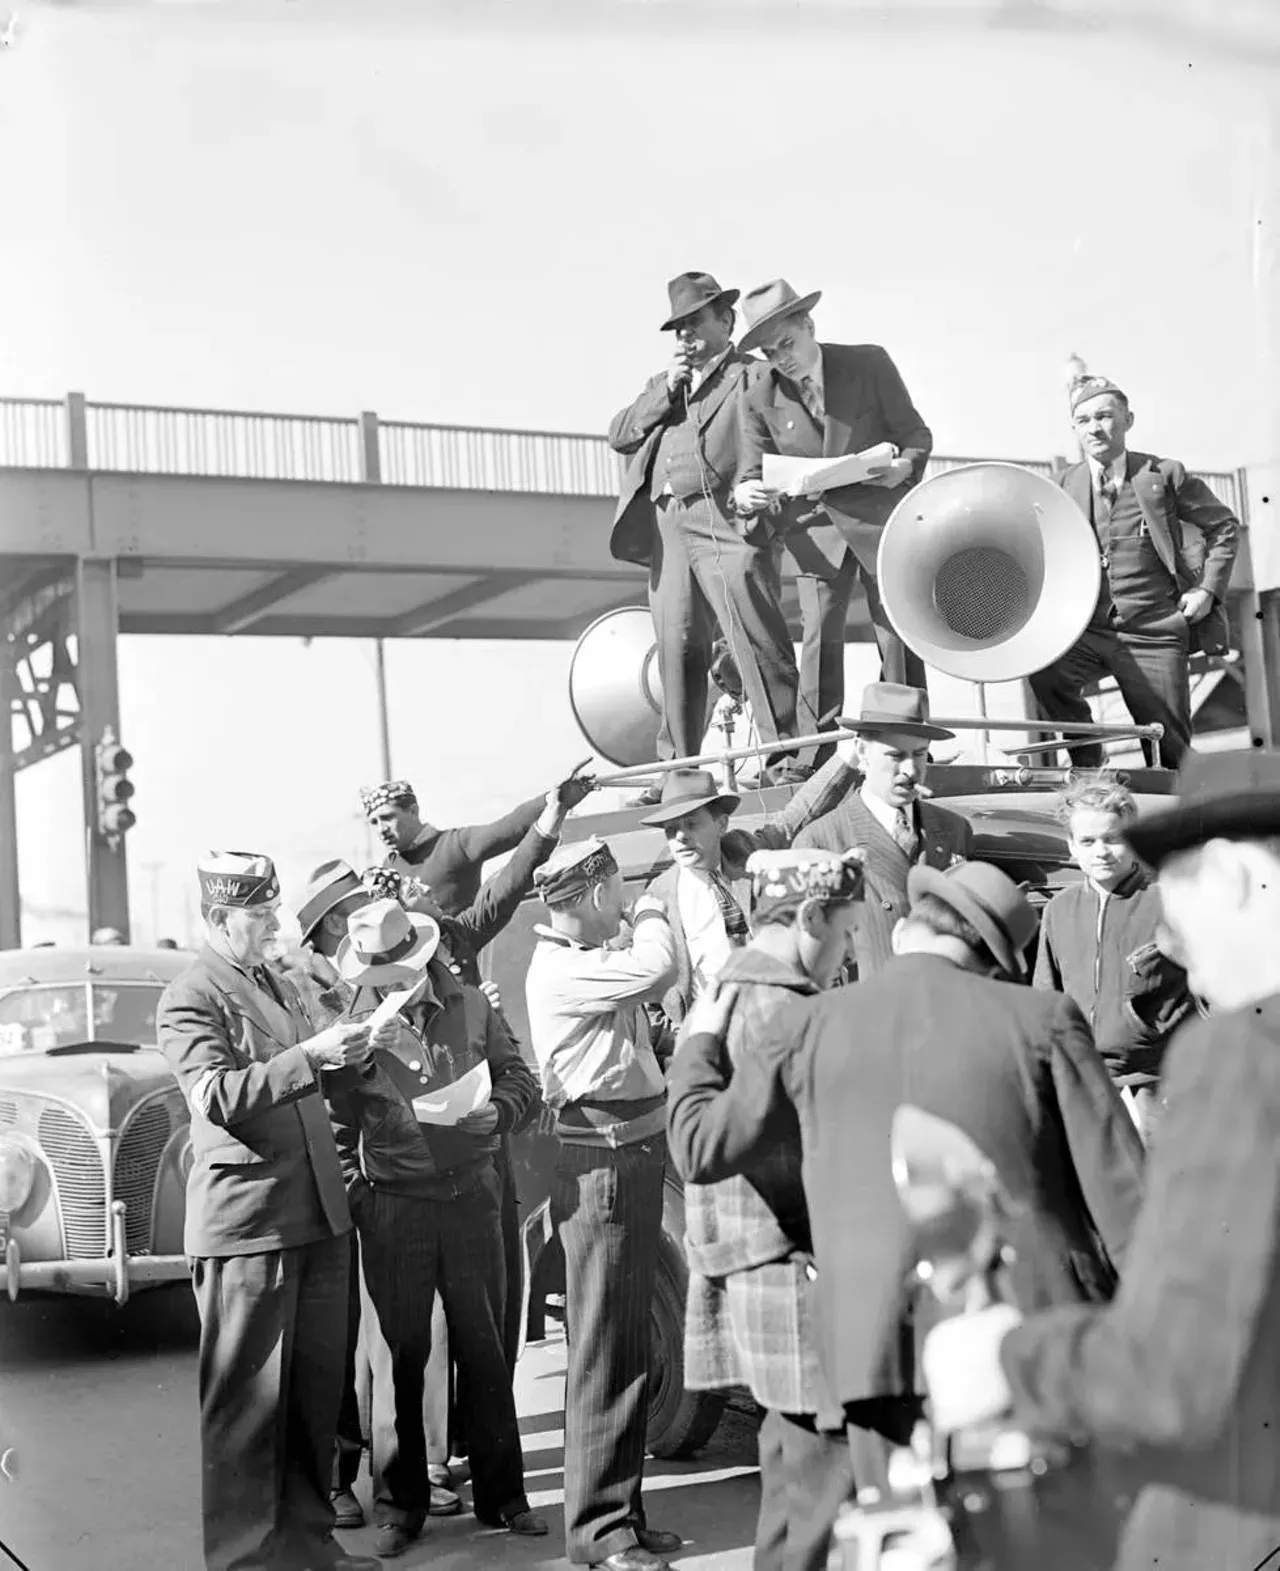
(735, 923)
(812, 397)
(904, 835)
(1107, 491)
(266, 982)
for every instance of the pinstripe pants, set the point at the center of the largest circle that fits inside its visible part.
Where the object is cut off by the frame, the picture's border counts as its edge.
(606, 1207)
(412, 1248)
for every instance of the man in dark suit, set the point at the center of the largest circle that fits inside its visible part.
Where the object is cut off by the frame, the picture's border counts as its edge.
(1154, 607)
(266, 1231)
(827, 400)
(674, 517)
(1014, 1068)
(1181, 1372)
(887, 816)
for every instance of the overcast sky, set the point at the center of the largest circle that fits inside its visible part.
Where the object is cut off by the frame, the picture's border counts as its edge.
(321, 208)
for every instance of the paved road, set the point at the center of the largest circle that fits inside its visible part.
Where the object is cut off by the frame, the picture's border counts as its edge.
(101, 1406)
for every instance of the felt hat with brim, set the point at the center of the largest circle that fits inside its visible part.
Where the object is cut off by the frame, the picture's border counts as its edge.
(386, 944)
(890, 706)
(988, 900)
(685, 791)
(771, 303)
(329, 885)
(690, 292)
(1221, 796)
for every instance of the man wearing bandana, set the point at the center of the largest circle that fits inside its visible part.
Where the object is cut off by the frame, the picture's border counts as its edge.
(266, 1231)
(450, 861)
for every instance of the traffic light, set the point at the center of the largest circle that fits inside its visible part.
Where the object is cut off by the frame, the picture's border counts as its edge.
(114, 787)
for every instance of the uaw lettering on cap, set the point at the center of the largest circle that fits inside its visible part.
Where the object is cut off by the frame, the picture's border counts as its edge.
(237, 878)
(781, 880)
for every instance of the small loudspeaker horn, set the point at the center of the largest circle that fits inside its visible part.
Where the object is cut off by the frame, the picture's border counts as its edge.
(989, 572)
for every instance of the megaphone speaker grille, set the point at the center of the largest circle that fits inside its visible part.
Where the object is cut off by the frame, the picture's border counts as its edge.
(982, 593)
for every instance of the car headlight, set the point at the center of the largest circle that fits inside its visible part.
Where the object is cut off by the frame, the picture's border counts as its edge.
(17, 1174)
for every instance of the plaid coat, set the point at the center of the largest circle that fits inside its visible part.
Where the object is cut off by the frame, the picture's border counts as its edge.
(748, 1318)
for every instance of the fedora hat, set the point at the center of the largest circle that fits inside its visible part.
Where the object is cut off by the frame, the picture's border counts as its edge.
(988, 900)
(762, 308)
(1221, 796)
(690, 292)
(385, 944)
(686, 790)
(328, 886)
(889, 706)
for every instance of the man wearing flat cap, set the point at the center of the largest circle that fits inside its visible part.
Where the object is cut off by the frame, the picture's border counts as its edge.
(748, 1317)
(706, 566)
(266, 1230)
(586, 990)
(1180, 1373)
(1157, 605)
(1015, 1069)
(888, 815)
(827, 401)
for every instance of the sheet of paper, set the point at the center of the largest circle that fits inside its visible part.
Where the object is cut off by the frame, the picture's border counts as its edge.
(453, 1102)
(391, 1005)
(809, 476)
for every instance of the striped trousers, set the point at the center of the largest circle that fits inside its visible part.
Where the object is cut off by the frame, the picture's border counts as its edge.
(606, 1206)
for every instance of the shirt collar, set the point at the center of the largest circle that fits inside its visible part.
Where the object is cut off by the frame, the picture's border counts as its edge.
(1116, 470)
(885, 815)
(705, 373)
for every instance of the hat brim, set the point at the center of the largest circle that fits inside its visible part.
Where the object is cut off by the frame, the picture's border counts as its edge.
(1165, 831)
(923, 880)
(934, 733)
(751, 338)
(726, 801)
(312, 912)
(725, 297)
(408, 968)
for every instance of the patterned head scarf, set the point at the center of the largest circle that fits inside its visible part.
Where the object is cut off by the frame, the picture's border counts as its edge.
(390, 791)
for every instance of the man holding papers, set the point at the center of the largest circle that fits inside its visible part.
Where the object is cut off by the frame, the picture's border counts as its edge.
(823, 402)
(417, 1139)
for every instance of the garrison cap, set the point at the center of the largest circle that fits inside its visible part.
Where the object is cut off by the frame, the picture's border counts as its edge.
(572, 870)
(237, 878)
(1085, 387)
(781, 881)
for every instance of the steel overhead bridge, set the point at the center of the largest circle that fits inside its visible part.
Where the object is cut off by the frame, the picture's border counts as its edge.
(118, 518)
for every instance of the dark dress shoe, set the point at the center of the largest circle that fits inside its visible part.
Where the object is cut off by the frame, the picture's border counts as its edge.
(347, 1510)
(524, 1524)
(637, 1558)
(393, 1538)
(657, 1542)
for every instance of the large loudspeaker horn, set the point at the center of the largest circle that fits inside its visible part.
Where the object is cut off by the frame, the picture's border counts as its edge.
(614, 687)
(989, 572)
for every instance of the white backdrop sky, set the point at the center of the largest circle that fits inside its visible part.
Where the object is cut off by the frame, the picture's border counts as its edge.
(322, 208)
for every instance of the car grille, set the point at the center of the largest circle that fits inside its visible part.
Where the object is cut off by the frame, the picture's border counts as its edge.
(137, 1162)
(82, 1184)
(8, 1112)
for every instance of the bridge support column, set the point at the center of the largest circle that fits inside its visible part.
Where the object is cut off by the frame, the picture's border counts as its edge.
(97, 625)
(10, 897)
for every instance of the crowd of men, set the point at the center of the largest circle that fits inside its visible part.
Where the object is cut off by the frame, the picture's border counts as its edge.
(695, 509)
(753, 1020)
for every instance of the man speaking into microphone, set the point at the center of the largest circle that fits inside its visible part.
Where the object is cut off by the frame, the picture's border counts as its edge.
(706, 567)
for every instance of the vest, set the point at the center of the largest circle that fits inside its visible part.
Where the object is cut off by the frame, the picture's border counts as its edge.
(1136, 585)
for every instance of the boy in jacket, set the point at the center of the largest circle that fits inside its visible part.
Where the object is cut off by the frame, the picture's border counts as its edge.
(1099, 944)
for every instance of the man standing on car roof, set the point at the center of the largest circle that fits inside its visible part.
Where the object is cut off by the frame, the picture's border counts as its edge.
(266, 1231)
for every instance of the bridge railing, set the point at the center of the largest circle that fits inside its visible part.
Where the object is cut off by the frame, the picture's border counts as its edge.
(43, 433)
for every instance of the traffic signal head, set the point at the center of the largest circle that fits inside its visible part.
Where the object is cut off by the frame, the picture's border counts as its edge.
(114, 787)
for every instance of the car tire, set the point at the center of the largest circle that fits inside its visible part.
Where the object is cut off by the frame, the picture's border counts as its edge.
(680, 1422)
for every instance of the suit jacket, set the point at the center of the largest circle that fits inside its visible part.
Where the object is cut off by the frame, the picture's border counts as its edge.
(1169, 498)
(1182, 1371)
(945, 838)
(266, 1173)
(1014, 1068)
(636, 431)
(813, 800)
(865, 402)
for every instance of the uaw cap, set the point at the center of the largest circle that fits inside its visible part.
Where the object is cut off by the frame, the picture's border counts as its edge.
(237, 878)
(374, 797)
(1086, 387)
(988, 900)
(690, 292)
(569, 872)
(328, 886)
(783, 880)
(891, 706)
(1221, 796)
(771, 303)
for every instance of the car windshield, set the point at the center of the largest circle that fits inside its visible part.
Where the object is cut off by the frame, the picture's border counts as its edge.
(37, 1018)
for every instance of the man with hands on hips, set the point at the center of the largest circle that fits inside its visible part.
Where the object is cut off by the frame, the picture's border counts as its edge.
(1180, 1372)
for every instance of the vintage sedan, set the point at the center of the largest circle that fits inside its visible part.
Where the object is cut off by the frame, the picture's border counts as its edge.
(94, 1152)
